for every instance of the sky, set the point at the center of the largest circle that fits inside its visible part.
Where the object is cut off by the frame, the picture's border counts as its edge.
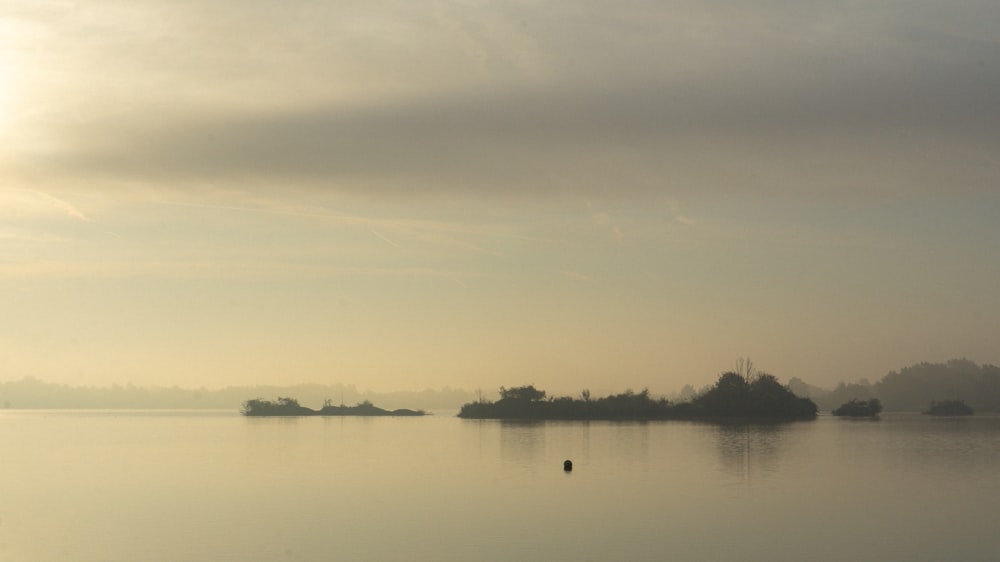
(409, 195)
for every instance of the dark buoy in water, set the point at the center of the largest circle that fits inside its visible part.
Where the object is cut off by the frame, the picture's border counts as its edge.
(568, 465)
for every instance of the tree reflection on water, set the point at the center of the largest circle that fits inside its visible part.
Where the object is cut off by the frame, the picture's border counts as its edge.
(748, 451)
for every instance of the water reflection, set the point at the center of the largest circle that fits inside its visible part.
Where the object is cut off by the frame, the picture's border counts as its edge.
(750, 451)
(630, 440)
(79, 487)
(942, 444)
(522, 441)
(527, 442)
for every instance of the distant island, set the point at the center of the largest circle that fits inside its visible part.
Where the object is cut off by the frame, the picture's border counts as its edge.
(291, 407)
(735, 395)
(949, 408)
(854, 408)
(30, 393)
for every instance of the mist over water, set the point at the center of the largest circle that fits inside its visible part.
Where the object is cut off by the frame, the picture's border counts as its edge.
(168, 486)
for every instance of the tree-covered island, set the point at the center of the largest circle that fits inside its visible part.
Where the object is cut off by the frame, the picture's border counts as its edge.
(855, 408)
(949, 408)
(735, 395)
(291, 407)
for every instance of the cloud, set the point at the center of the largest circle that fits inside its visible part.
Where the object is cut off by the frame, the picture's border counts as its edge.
(63, 206)
(643, 138)
(604, 221)
(19, 237)
(292, 206)
(577, 275)
(644, 99)
(209, 269)
(32, 203)
(678, 216)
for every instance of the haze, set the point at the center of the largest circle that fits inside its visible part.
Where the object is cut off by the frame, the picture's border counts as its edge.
(467, 194)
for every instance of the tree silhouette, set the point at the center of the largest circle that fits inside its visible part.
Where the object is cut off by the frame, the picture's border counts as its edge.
(522, 393)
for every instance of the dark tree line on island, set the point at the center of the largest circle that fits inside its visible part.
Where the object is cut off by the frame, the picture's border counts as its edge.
(744, 393)
(291, 407)
(871, 408)
(859, 408)
(949, 408)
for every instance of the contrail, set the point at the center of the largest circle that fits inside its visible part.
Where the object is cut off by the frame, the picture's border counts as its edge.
(386, 239)
(63, 205)
(260, 210)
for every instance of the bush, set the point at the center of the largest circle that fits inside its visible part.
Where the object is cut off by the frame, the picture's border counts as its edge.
(859, 408)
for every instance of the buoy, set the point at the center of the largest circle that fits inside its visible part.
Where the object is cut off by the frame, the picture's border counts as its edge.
(567, 465)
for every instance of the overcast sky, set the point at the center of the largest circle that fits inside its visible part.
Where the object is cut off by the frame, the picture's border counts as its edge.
(402, 195)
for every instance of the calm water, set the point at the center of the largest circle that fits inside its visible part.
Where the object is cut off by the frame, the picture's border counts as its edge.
(176, 486)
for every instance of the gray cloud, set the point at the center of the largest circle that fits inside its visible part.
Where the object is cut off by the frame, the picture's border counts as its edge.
(640, 98)
(532, 140)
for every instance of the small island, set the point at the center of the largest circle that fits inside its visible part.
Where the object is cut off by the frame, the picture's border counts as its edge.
(751, 395)
(855, 408)
(291, 407)
(949, 408)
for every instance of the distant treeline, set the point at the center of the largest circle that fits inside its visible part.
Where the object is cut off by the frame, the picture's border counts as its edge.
(913, 388)
(31, 392)
(910, 389)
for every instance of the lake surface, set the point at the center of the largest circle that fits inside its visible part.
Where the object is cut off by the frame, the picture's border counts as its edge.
(179, 486)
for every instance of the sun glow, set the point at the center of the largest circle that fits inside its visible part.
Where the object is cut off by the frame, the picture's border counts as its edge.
(10, 33)
(7, 83)
(5, 97)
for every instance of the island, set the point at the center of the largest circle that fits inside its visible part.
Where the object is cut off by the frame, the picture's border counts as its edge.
(734, 396)
(291, 407)
(949, 408)
(855, 408)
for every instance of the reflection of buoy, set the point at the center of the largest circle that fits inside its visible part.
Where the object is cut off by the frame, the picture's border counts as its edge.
(567, 465)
